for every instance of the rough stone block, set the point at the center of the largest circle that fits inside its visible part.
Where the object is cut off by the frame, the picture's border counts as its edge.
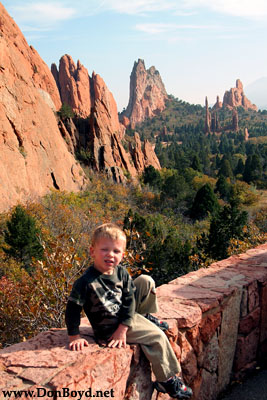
(211, 355)
(208, 326)
(263, 323)
(243, 373)
(244, 303)
(250, 322)
(188, 358)
(193, 337)
(227, 338)
(186, 312)
(253, 296)
(208, 389)
(139, 384)
(246, 349)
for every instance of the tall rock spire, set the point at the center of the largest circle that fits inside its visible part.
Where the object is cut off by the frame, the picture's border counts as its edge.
(147, 94)
(207, 117)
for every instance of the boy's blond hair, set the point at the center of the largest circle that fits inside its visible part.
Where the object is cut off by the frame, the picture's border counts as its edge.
(109, 230)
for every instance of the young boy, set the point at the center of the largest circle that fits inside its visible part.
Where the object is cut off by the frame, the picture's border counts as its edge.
(119, 310)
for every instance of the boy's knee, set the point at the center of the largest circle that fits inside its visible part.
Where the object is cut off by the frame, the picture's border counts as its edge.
(146, 280)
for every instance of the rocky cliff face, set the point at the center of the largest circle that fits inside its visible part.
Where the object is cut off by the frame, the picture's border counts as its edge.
(147, 95)
(103, 136)
(235, 97)
(34, 156)
(74, 85)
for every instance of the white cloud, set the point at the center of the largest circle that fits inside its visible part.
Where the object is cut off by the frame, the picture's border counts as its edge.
(138, 6)
(240, 8)
(41, 16)
(156, 28)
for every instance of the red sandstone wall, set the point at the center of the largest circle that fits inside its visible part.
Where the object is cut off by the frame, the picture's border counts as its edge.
(218, 321)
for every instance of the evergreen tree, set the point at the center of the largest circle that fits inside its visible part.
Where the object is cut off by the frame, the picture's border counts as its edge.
(152, 177)
(227, 224)
(240, 167)
(22, 237)
(256, 167)
(222, 187)
(226, 169)
(247, 175)
(205, 202)
(253, 168)
(196, 163)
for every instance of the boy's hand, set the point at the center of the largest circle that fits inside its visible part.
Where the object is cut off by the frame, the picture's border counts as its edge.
(77, 343)
(118, 338)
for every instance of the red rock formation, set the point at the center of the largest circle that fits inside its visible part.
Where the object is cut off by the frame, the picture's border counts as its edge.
(207, 117)
(34, 156)
(105, 134)
(74, 85)
(142, 158)
(218, 105)
(235, 119)
(246, 134)
(150, 156)
(147, 94)
(137, 154)
(235, 97)
(105, 109)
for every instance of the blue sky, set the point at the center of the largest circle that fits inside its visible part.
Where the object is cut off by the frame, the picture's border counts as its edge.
(200, 47)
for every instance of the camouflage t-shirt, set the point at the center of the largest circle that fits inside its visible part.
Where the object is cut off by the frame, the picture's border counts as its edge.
(107, 300)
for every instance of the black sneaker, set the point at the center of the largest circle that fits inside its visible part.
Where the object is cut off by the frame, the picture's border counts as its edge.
(161, 324)
(175, 388)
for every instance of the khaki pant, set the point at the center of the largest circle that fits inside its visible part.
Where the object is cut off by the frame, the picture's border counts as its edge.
(152, 339)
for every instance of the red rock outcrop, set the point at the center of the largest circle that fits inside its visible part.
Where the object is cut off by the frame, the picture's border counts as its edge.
(74, 85)
(246, 134)
(207, 117)
(105, 110)
(150, 156)
(235, 120)
(235, 97)
(34, 156)
(147, 94)
(218, 105)
(105, 135)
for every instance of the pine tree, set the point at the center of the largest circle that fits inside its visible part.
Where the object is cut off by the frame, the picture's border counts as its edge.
(152, 177)
(227, 224)
(22, 237)
(222, 187)
(240, 167)
(196, 163)
(205, 202)
(226, 169)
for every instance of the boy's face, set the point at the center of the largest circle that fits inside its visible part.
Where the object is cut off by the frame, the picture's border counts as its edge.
(107, 254)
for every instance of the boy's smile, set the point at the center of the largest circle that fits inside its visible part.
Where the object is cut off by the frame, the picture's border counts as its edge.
(107, 254)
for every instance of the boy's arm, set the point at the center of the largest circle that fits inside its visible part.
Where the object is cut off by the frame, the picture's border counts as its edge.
(128, 300)
(118, 338)
(73, 319)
